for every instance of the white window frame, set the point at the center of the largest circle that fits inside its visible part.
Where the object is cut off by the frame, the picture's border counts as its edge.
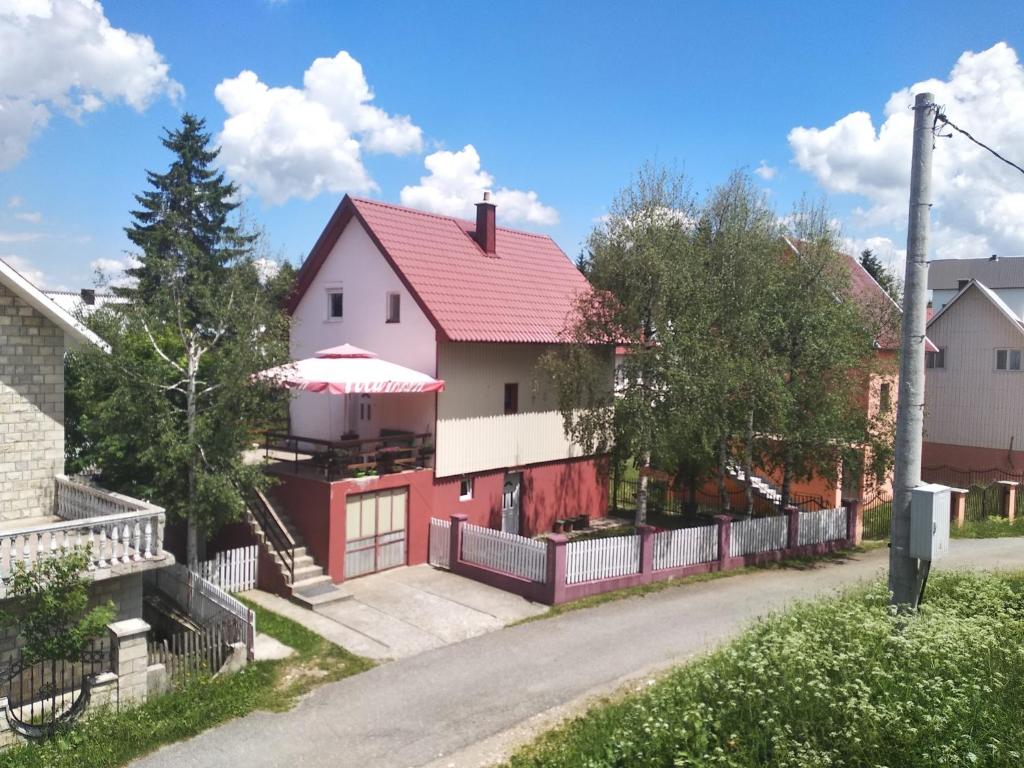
(329, 292)
(1009, 352)
(387, 307)
(467, 484)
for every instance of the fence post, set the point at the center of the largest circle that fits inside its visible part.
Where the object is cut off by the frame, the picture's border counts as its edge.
(556, 568)
(958, 506)
(130, 659)
(854, 522)
(793, 526)
(455, 540)
(646, 552)
(724, 537)
(1009, 499)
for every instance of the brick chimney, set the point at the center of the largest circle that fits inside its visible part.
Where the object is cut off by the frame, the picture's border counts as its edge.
(88, 296)
(485, 224)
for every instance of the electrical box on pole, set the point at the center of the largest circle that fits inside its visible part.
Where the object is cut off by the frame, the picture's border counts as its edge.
(929, 521)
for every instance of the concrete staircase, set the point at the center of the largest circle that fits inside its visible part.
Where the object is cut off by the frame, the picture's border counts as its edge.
(311, 586)
(763, 488)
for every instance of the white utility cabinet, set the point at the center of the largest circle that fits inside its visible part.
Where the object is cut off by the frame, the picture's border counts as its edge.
(929, 521)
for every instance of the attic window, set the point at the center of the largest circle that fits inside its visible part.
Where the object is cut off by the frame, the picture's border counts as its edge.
(335, 304)
(394, 308)
(1007, 359)
(935, 359)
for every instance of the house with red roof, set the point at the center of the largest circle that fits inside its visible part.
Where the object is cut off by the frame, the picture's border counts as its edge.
(471, 305)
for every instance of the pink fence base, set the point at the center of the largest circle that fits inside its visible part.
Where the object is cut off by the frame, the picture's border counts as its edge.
(554, 590)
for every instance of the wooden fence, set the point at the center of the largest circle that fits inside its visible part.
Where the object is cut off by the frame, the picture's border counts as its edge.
(758, 534)
(819, 527)
(601, 558)
(506, 552)
(440, 543)
(686, 546)
(191, 653)
(234, 570)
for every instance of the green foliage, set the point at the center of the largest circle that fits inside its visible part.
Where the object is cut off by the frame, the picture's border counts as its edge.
(48, 602)
(842, 682)
(883, 275)
(989, 528)
(167, 413)
(113, 738)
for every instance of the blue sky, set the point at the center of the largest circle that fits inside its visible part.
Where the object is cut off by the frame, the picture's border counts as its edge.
(564, 100)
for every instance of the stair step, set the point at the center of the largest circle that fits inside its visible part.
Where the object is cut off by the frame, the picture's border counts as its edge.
(303, 585)
(307, 572)
(311, 595)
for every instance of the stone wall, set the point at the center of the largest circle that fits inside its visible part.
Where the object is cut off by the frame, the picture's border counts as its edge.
(31, 409)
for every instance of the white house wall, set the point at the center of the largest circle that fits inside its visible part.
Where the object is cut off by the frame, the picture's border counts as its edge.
(1014, 298)
(969, 402)
(357, 267)
(473, 432)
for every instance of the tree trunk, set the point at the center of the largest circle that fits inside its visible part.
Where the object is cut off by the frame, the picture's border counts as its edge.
(748, 462)
(787, 480)
(723, 492)
(192, 532)
(641, 491)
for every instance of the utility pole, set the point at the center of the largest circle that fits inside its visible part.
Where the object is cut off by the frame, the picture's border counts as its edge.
(905, 573)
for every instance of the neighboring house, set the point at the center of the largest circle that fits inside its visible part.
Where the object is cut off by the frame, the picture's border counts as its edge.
(42, 512)
(974, 397)
(469, 303)
(80, 303)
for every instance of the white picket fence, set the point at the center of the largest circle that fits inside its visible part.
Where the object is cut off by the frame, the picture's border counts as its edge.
(601, 558)
(234, 570)
(440, 543)
(758, 534)
(505, 552)
(686, 546)
(822, 525)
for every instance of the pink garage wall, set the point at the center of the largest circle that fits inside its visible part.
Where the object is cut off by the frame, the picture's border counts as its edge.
(969, 457)
(563, 489)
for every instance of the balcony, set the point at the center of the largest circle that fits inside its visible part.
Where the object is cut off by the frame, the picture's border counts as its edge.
(121, 534)
(391, 452)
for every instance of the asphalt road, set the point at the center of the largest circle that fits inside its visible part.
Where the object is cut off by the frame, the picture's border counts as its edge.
(440, 706)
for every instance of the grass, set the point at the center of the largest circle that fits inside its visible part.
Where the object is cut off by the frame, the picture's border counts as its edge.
(989, 528)
(798, 563)
(839, 682)
(109, 738)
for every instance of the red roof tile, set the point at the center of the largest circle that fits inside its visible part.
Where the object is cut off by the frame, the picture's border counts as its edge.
(522, 293)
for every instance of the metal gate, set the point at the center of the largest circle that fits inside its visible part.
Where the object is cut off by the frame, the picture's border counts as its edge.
(375, 531)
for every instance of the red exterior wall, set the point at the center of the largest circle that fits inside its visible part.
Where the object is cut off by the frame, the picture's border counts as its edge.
(969, 457)
(548, 492)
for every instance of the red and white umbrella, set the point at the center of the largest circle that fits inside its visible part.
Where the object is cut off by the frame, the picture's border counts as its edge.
(348, 370)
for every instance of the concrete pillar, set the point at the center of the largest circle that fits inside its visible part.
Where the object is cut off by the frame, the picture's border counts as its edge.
(854, 522)
(130, 659)
(646, 551)
(958, 506)
(455, 542)
(724, 537)
(556, 568)
(792, 526)
(1009, 499)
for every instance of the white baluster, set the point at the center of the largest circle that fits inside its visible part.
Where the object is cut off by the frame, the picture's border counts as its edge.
(148, 538)
(137, 541)
(26, 550)
(158, 540)
(101, 560)
(114, 536)
(126, 538)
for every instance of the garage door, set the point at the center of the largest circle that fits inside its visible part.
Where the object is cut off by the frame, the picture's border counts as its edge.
(375, 531)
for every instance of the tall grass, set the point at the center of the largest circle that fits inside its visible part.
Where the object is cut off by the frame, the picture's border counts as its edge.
(843, 682)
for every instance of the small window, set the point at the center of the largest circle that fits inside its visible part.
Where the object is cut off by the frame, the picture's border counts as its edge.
(335, 305)
(365, 408)
(511, 398)
(885, 397)
(466, 489)
(1008, 359)
(394, 308)
(935, 359)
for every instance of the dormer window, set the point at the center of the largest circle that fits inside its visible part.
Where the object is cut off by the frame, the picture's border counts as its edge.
(394, 308)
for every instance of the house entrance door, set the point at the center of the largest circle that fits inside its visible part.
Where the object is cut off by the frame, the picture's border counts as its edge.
(510, 503)
(375, 531)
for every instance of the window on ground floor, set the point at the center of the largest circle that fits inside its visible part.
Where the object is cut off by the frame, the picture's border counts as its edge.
(511, 398)
(466, 489)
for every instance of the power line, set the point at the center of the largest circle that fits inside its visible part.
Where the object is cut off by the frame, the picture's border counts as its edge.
(941, 118)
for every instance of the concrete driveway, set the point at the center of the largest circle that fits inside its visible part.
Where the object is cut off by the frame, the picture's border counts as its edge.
(469, 703)
(405, 611)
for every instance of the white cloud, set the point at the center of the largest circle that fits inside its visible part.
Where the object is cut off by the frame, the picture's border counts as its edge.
(18, 237)
(765, 171)
(456, 182)
(65, 55)
(284, 142)
(891, 255)
(15, 201)
(111, 272)
(32, 217)
(978, 201)
(35, 276)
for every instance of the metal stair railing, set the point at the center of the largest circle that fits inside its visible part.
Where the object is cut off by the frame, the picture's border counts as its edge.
(274, 529)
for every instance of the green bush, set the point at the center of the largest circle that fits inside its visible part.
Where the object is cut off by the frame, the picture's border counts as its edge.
(843, 682)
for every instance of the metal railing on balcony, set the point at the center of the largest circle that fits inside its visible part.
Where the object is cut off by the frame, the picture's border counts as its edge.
(393, 451)
(114, 529)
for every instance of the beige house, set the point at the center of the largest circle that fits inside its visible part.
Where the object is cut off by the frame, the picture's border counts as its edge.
(974, 396)
(43, 513)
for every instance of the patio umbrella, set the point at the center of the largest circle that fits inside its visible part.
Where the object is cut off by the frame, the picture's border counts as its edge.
(345, 370)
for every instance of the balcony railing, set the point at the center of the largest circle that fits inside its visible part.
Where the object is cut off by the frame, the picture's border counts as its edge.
(116, 530)
(394, 451)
